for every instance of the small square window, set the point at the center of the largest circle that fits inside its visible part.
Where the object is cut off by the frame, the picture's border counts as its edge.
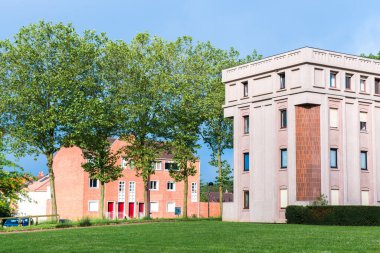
(158, 165)
(333, 79)
(245, 89)
(93, 183)
(348, 81)
(153, 185)
(333, 158)
(246, 199)
(283, 118)
(282, 80)
(363, 160)
(93, 206)
(170, 186)
(284, 158)
(154, 207)
(170, 207)
(246, 124)
(246, 161)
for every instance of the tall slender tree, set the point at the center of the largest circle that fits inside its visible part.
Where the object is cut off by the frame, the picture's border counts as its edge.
(47, 71)
(217, 131)
(138, 74)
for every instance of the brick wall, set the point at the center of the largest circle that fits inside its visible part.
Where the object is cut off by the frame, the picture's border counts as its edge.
(214, 209)
(308, 152)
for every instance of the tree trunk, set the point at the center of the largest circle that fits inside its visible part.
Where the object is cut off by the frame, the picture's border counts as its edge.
(49, 157)
(219, 157)
(185, 193)
(102, 200)
(147, 197)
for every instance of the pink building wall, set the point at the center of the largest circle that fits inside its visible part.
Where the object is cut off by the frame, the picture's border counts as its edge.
(73, 191)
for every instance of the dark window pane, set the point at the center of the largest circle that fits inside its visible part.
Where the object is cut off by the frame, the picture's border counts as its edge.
(284, 158)
(333, 158)
(246, 161)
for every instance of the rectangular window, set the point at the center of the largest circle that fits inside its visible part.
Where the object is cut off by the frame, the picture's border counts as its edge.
(245, 89)
(363, 121)
(363, 160)
(333, 158)
(158, 165)
(365, 198)
(93, 183)
(131, 164)
(333, 79)
(170, 186)
(283, 118)
(93, 205)
(333, 117)
(246, 200)
(154, 207)
(246, 161)
(363, 84)
(194, 192)
(348, 82)
(121, 195)
(283, 198)
(284, 158)
(334, 198)
(282, 80)
(171, 166)
(153, 185)
(124, 162)
(246, 124)
(170, 207)
(377, 86)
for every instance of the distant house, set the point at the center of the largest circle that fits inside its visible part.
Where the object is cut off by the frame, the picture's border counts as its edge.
(227, 197)
(37, 201)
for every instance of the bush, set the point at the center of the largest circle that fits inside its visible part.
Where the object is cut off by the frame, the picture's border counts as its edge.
(64, 225)
(334, 215)
(85, 222)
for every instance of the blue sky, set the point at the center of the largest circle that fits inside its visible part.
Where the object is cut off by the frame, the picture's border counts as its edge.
(270, 27)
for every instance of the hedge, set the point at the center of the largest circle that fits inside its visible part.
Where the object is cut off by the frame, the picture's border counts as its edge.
(334, 215)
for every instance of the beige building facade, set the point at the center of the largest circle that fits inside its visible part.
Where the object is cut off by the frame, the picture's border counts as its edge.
(306, 123)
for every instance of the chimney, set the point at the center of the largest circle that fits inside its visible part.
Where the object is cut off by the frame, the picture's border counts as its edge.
(40, 175)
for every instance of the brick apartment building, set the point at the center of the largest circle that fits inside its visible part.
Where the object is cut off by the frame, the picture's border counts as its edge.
(78, 195)
(305, 124)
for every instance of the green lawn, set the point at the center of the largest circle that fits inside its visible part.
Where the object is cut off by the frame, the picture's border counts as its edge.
(197, 236)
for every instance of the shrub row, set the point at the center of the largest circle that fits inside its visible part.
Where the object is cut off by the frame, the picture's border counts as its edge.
(334, 215)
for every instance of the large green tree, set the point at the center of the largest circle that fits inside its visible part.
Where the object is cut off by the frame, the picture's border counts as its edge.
(47, 71)
(217, 131)
(138, 74)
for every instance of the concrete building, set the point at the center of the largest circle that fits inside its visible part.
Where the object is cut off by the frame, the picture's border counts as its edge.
(78, 195)
(305, 123)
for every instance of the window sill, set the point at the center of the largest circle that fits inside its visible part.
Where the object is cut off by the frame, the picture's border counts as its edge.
(245, 172)
(350, 91)
(243, 98)
(376, 95)
(334, 128)
(364, 171)
(334, 169)
(283, 129)
(245, 134)
(245, 210)
(363, 132)
(334, 88)
(281, 90)
(364, 93)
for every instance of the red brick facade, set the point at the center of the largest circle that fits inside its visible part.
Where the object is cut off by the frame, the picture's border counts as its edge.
(308, 152)
(74, 193)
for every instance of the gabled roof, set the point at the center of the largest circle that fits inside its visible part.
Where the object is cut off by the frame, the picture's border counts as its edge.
(39, 185)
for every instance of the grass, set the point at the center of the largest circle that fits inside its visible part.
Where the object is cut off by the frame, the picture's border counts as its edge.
(197, 236)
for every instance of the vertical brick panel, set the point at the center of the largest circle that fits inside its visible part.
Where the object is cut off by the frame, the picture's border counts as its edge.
(308, 152)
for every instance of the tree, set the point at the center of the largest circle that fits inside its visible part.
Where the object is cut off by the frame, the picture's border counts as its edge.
(217, 131)
(138, 74)
(46, 73)
(184, 107)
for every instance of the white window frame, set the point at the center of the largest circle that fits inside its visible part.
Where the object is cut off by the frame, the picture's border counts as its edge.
(172, 190)
(333, 83)
(167, 207)
(364, 197)
(363, 118)
(363, 80)
(194, 192)
(121, 191)
(157, 185)
(158, 165)
(94, 202)
(92, 187)
(333, 117)
(131, 193)
(283, 198)
(124, 162)
(153, 210)
(334, 197)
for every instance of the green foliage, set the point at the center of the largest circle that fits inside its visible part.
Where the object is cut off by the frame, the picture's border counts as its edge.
(372, 56)
(46, 72)
(85, 222)
(334, 215)
(320, 201)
